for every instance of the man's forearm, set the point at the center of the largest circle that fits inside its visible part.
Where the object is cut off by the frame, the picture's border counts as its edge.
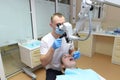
(46, 59)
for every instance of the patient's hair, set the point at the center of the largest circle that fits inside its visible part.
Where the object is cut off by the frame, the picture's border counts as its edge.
(62, 69)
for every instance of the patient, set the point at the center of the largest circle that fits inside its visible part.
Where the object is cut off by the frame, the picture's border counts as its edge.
(68, 65)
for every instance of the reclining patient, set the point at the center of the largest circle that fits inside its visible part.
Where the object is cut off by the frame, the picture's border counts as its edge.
(68, 65)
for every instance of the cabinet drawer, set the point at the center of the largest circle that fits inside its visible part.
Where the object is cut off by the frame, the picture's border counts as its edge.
(116, 52)
(116, 60)
(117, 47)
(36, 57)
(117, 43)
(117, 40)
(35, 54)
(36, 60)
(36, 51)
(36, 63)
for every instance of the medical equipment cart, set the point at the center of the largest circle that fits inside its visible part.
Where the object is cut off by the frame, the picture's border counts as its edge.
(30, 56)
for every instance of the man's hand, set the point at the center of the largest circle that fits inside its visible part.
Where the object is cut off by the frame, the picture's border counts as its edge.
(76, 55)
(57, 43)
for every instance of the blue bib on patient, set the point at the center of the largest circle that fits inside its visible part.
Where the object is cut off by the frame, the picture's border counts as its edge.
(79, 74)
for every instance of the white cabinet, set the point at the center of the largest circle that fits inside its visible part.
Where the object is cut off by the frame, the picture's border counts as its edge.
(86, 46)
(30, 56)
(116, 51)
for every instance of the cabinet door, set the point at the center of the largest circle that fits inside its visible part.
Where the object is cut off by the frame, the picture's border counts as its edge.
(86, 46)
(116, 51)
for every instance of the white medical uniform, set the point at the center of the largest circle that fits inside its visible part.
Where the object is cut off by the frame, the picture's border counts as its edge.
(47, 42)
